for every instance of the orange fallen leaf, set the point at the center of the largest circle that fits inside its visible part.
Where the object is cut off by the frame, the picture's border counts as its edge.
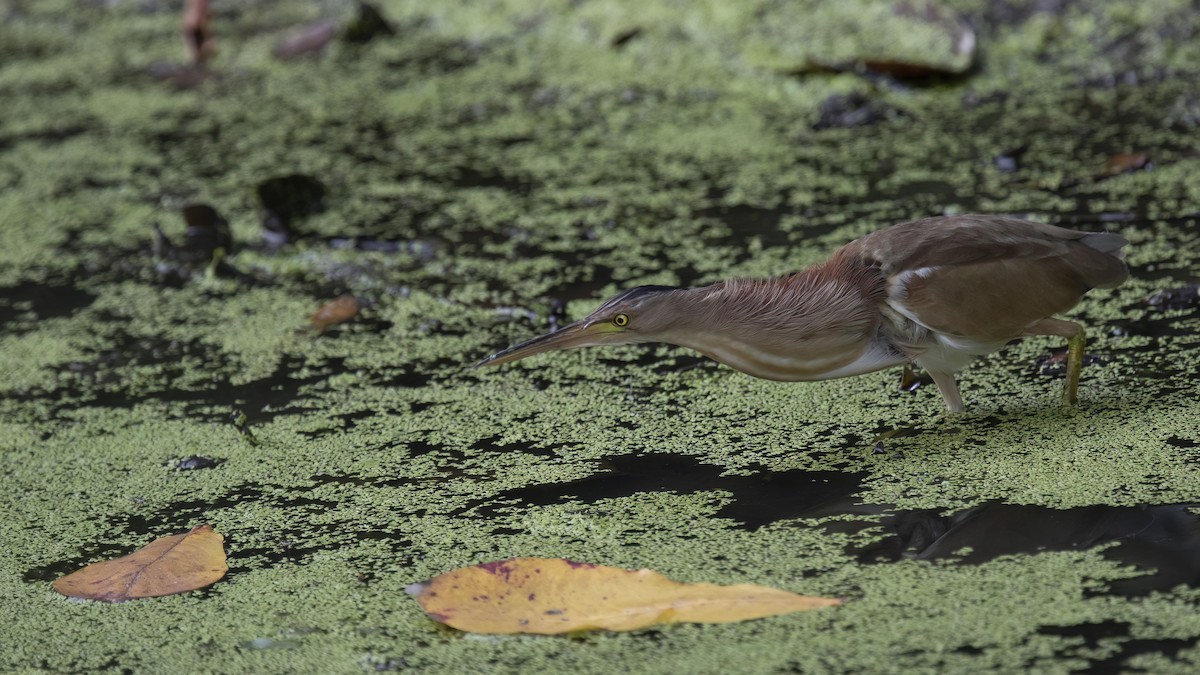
(553, 595)
(1124, 162)
(338, 310)
(168, 565)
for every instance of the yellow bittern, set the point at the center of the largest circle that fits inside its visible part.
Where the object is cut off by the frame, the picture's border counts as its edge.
(936, 292)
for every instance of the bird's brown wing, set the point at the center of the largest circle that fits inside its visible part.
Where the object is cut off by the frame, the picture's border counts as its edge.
(987, 301)
(988, 277)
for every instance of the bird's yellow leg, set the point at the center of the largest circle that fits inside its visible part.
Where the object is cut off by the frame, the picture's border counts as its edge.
(1076, 341)
(1075, 347)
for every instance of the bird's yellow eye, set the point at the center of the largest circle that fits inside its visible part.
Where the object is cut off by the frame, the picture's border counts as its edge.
(621, 320)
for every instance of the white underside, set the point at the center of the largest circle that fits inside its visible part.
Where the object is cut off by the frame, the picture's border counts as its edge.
(947, 354)
(939, 352)
(875, 358)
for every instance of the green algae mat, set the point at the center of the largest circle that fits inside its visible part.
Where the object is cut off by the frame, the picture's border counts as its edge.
(477, 173)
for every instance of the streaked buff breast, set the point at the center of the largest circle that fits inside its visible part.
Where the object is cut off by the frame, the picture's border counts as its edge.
(798, 366)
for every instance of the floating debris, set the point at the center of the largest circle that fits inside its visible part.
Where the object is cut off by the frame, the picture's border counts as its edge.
(623, 37)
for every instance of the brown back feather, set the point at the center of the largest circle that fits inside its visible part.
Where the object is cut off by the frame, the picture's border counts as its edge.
(987, 277)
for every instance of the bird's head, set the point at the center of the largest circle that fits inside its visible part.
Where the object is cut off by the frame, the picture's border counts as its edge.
(641, 314)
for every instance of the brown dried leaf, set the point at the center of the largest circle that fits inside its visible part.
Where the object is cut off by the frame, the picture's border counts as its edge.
(310, 39)
(169, 565)
(952, 56)
(338, 310)
(552, 595)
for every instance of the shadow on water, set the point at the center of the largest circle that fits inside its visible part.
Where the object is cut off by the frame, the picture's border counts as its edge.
(165, 366)
(759, 499)
(306, 534)
(1092, 634)
(1164, 540)
(29, 302)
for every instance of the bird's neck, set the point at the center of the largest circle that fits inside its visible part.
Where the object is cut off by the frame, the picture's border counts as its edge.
(815, 324)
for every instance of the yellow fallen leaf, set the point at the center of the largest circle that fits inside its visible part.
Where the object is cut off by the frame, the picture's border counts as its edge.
(553, 595)
(168, 565)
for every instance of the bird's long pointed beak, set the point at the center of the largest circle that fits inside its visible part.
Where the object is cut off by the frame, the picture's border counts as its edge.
(578, 334)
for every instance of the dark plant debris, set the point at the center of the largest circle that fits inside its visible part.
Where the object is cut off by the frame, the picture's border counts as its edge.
(1182, 297)
(912, 379)
(284, 200)
(193, 462)
(854, 110)
(368, 25)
